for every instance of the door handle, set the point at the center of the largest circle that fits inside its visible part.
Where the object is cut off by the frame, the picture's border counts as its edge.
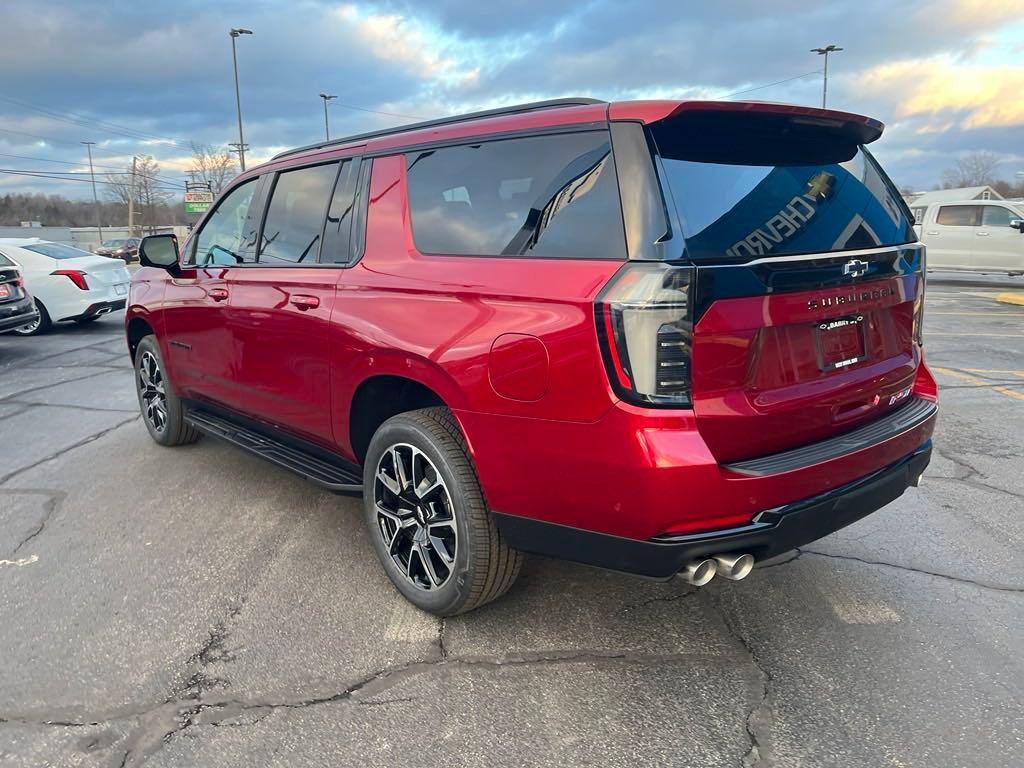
(982, 234)
(217, 294)
(304, 302)
(932, 232)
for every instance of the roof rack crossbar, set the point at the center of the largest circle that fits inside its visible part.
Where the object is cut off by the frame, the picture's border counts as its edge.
(549, 104)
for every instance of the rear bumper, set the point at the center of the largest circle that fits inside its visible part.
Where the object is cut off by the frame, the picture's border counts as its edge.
(98, 308)
(772, 532)
(640, 473)
(16, 314)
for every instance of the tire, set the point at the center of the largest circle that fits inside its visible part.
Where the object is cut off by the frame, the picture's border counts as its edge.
(43, 325)
(453, 515)
(162, 410)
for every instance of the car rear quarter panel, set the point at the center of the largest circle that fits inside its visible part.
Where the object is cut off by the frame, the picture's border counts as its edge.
(435, 319)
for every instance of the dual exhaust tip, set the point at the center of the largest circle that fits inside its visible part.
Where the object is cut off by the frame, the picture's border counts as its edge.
(732, 566)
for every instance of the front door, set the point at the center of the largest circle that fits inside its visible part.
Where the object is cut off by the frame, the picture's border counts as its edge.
(280, 308)
(999, 247)
(201, 357)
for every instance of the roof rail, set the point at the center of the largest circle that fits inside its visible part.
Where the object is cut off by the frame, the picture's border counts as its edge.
(549, 104)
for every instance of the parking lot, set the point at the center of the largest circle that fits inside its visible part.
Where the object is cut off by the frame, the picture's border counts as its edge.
(197, 606)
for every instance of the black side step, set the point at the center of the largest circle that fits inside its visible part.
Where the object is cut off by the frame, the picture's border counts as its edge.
(313, 468)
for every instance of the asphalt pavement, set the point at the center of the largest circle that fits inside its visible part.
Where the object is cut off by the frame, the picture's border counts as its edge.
(198, 607)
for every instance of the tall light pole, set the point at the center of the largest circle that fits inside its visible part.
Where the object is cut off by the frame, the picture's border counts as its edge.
(825, 52)
(327, 129)
(95, 198)
(235, 32)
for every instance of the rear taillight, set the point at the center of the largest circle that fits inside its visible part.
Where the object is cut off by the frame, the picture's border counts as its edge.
(644, 321)
(19, 281)
(919, 302)
(76, 276)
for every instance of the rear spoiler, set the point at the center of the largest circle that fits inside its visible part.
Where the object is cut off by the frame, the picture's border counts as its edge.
(849, 126)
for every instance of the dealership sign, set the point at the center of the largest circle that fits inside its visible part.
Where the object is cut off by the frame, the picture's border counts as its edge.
(198, 202)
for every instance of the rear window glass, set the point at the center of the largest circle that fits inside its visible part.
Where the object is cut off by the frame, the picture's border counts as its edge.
(775, 202)
(553, 196)
(56, 250)
(958, 215)
(5, 262)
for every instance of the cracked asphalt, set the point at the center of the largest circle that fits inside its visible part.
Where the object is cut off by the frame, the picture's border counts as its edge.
(197, 607)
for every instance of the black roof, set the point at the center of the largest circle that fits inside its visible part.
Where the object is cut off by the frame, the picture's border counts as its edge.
(549, 104)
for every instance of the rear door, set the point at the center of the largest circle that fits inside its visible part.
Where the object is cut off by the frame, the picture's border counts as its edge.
(999, 246)
(280, 307)
(951, 237)
(807, 278)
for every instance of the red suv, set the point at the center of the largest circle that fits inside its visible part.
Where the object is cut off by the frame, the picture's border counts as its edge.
(661, 337)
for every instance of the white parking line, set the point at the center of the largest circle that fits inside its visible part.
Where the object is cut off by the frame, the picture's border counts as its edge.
(23, 561)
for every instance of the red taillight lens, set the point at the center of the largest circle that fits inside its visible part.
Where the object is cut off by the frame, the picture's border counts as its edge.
(919, 302)
(644, 320)
(75, 275)
(19, 281)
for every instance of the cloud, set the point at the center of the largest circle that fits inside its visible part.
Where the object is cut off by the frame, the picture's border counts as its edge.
(946, 95)
(941, 73)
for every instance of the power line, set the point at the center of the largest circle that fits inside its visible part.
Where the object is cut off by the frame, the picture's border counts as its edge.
(81, 120)
(74, 144)
(769, 85)
(378, 112)
(119, 169)
(48, 175)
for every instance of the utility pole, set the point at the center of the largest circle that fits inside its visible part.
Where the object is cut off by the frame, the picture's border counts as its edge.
(327, 129)
(825, 52)
(235, 32)
(131, 202)
(95, 198)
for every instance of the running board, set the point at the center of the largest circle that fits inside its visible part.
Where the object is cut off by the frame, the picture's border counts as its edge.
(323, 473)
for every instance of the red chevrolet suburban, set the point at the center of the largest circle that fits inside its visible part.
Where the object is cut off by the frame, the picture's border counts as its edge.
(662, 337)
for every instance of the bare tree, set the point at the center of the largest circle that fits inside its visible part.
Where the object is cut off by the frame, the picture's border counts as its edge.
(975, 169)
(150, 192)
(214, 165)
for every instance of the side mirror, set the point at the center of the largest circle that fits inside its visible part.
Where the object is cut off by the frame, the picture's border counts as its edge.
(160, 251)
(1017, 224)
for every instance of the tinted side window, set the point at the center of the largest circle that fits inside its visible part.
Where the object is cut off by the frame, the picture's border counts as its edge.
(337, 231)
(958, 215)
(540, 196)
(224, 239)
(996, 216)
(295, 216)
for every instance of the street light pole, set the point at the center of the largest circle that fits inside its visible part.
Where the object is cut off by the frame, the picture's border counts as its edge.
(95, 198)
(235, 32)
(327, 129)
(825, 52)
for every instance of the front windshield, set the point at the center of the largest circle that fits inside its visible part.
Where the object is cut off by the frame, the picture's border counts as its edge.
(113, 243)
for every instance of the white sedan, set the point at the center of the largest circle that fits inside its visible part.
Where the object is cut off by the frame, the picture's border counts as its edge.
(68, 284)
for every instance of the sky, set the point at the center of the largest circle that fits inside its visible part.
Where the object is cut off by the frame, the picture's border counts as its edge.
(946, 76)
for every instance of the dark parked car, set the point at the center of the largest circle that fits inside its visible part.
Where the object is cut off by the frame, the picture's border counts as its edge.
(660, 337)
(16, 306)
(127, 250)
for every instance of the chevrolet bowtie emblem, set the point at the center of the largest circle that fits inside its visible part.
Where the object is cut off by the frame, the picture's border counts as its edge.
(820, 186)
(855, 268)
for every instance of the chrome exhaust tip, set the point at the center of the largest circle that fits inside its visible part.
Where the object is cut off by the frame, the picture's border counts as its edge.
(699, 572)
(735, 567)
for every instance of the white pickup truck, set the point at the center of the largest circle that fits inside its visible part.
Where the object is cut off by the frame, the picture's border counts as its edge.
(973, 236)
